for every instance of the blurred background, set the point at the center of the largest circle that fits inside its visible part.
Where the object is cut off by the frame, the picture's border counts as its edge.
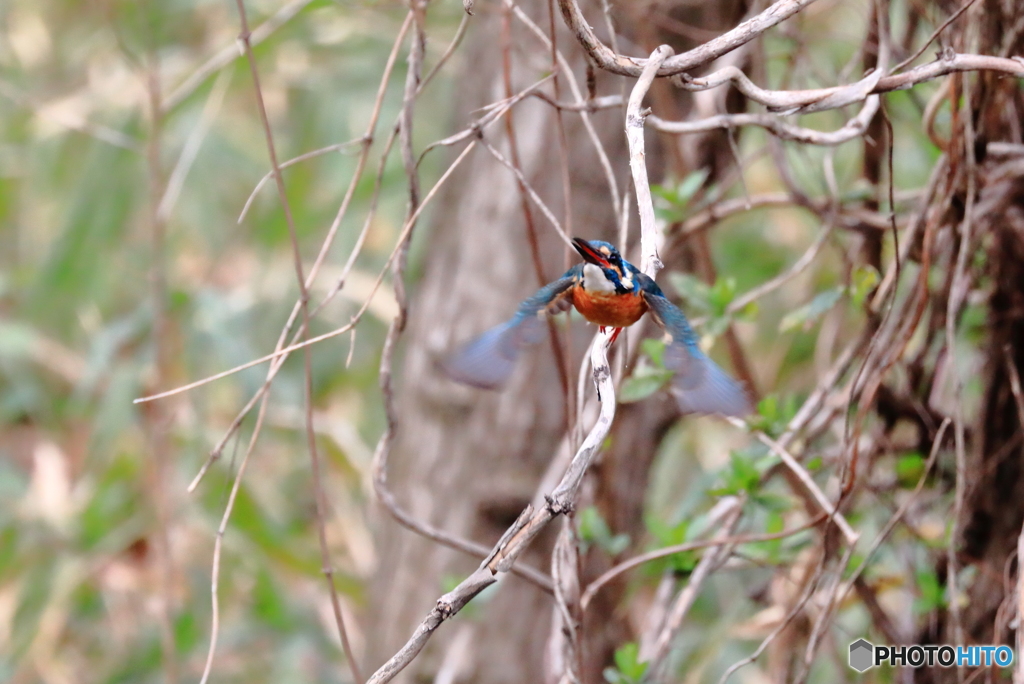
(130, 145)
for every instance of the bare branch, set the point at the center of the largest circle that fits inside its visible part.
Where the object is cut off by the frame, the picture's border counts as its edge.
(605, 58)
(318, 493)
(935, 34)
(518, 537)
(729, 512)
(807, 481)
(667, 551)
(229, 53)
(853, 128)
(531, 192)
(649, 238)
(333, 333)
(839, 96)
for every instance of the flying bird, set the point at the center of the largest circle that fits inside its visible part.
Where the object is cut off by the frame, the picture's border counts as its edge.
(611, 292)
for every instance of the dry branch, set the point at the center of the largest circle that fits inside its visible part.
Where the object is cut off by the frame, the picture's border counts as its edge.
(606, 59)
(839, 96)
(727, 514)
(518, 537)
(853, 128)
(562, 500)
(649, 238)
(318, 493)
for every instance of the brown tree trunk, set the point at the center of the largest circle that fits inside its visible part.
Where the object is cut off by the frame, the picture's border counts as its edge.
(994, 503)
(469, 461)
(466, 460)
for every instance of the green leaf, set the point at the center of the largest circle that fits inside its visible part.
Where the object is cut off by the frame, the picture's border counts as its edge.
(771, 548)
(617, 544)
(696, 292)
(663, 192)
(644, 382)
(268, 603)
(612, 676)
(812, 311)
(773, 415)
(865, 278)
(115, 503)
(690, 185)
(775, 503)
(669, 215)
(34, 596)
(591, 525)
(679, 197)
(187, 632)
(627, 663)
(594, 530)
(743, 474)
(909, 469)
(721, 295)
(671, 535)
(654, 348)
(930, 592)
(665, 534)
(749, 312)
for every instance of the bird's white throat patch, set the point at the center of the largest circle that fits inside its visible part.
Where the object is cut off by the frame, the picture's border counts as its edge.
(594, 279)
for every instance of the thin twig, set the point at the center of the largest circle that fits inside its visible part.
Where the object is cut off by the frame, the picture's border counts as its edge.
(809, 588)
(570, 78)
(518, 537)
(840, 96)
(957, 296)
(778, 281)
(935, 34)
(625, 566)
(191, 148)
(319, 496)
(313, 154)
(606, 59)
(328, 335)
(229, 53)
(218, 543)
(531, 522)
(528, 190)
(324, 249)
(709, 562)
(853, 128)
(808, 482)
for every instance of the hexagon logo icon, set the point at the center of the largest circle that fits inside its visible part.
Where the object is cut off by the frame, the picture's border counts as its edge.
(861, 655)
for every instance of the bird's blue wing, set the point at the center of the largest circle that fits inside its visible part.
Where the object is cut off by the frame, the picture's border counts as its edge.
(699, 384)
(487, 361)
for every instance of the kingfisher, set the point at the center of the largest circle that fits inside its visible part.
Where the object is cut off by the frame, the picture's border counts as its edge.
(613, 293)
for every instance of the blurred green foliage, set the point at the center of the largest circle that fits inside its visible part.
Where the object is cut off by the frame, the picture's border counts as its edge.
(83, 503)
(81, 575)
(594, 530)
(628, 668)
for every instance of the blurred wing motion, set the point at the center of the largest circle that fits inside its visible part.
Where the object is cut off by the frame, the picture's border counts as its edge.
(699, 385)
(487, 361)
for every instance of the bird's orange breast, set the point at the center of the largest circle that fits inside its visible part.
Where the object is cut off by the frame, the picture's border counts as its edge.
(609, 308)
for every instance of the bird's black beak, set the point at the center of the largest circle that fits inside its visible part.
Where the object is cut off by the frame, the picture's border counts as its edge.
(589, 254)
